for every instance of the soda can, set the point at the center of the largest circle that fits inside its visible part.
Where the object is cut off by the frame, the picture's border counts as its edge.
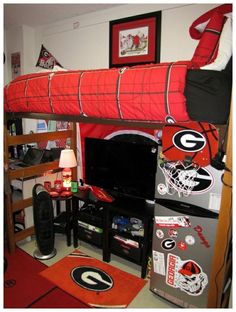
(74, 186)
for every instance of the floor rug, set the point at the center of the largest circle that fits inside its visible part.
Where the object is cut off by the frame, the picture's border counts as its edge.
(57, 298)
(94, 282)
(24, 287)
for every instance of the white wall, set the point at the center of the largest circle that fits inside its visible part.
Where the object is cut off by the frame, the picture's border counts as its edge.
(87, 47)
(29, 48)
(13, 43)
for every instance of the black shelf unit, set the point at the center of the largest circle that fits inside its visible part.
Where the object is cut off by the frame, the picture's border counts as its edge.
(134, 208)
(88, 220)
(90, 224)
(102, 214)
(130, 251)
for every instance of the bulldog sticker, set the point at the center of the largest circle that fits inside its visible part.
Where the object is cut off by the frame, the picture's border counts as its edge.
(187, 275)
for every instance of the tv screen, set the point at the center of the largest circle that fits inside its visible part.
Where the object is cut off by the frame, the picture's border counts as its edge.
(123, 168)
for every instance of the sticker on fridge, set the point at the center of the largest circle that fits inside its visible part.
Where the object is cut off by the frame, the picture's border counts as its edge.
(186, 275)
(190, 240)
(159, 234)
(172, 221)
(173, 233)
(158, 262)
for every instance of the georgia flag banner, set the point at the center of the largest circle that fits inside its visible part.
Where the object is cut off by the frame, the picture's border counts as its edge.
(46, 59)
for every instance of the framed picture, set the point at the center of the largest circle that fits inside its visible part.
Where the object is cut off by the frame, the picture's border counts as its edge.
(135, 40)
(15, 65)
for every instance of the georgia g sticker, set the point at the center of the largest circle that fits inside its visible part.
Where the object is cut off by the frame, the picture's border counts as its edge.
(189, 140)
(194, 141)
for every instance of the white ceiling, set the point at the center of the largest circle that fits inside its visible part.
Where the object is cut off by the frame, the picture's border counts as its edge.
(40, 14)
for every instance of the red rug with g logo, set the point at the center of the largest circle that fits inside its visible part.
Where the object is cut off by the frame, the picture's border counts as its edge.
(25, 288)
(94, 282)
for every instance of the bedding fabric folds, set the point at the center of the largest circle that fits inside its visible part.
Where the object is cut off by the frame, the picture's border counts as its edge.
(208, 94)
(149, 92)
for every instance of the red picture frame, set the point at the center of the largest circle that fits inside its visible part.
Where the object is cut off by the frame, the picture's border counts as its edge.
(135, 40)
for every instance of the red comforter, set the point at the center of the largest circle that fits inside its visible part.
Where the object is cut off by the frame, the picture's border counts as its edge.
(150, 92)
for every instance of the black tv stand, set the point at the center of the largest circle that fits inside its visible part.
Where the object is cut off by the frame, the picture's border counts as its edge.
(128, 208)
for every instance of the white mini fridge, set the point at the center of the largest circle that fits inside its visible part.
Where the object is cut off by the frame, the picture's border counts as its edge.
(184, 234)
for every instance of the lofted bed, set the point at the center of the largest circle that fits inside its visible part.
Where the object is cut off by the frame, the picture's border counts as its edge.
(147, 96)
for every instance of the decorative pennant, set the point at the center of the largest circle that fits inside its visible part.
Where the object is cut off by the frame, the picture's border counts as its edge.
(46, 59)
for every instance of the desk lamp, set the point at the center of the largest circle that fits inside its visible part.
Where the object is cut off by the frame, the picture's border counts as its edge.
(67, 161)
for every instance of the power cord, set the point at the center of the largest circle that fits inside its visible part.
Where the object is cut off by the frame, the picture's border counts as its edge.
(217, 162)
(222, 179)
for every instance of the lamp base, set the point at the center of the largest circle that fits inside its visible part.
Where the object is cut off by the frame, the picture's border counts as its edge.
(66, 178)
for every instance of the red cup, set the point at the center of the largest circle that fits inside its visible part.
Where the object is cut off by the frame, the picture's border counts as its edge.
(58, 185)
(48, 186)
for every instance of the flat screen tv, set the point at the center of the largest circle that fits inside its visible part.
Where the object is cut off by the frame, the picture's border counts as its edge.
(121, 168)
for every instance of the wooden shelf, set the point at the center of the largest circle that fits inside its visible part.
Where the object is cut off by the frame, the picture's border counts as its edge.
(32, 170)
(26, 172)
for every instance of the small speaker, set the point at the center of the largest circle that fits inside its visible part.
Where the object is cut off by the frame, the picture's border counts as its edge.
(43, 223)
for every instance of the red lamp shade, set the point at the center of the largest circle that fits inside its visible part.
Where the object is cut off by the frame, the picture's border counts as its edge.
(67, 161)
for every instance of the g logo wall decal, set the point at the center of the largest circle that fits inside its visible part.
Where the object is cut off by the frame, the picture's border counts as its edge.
(92, 278)
(189, 140)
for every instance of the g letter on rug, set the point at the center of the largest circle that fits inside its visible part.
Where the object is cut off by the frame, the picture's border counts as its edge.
(94, 282)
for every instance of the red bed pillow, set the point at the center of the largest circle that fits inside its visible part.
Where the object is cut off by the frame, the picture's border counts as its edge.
(207, 47)
(198, 26)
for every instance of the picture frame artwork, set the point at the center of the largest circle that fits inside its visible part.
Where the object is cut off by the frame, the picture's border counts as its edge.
(135, 40)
